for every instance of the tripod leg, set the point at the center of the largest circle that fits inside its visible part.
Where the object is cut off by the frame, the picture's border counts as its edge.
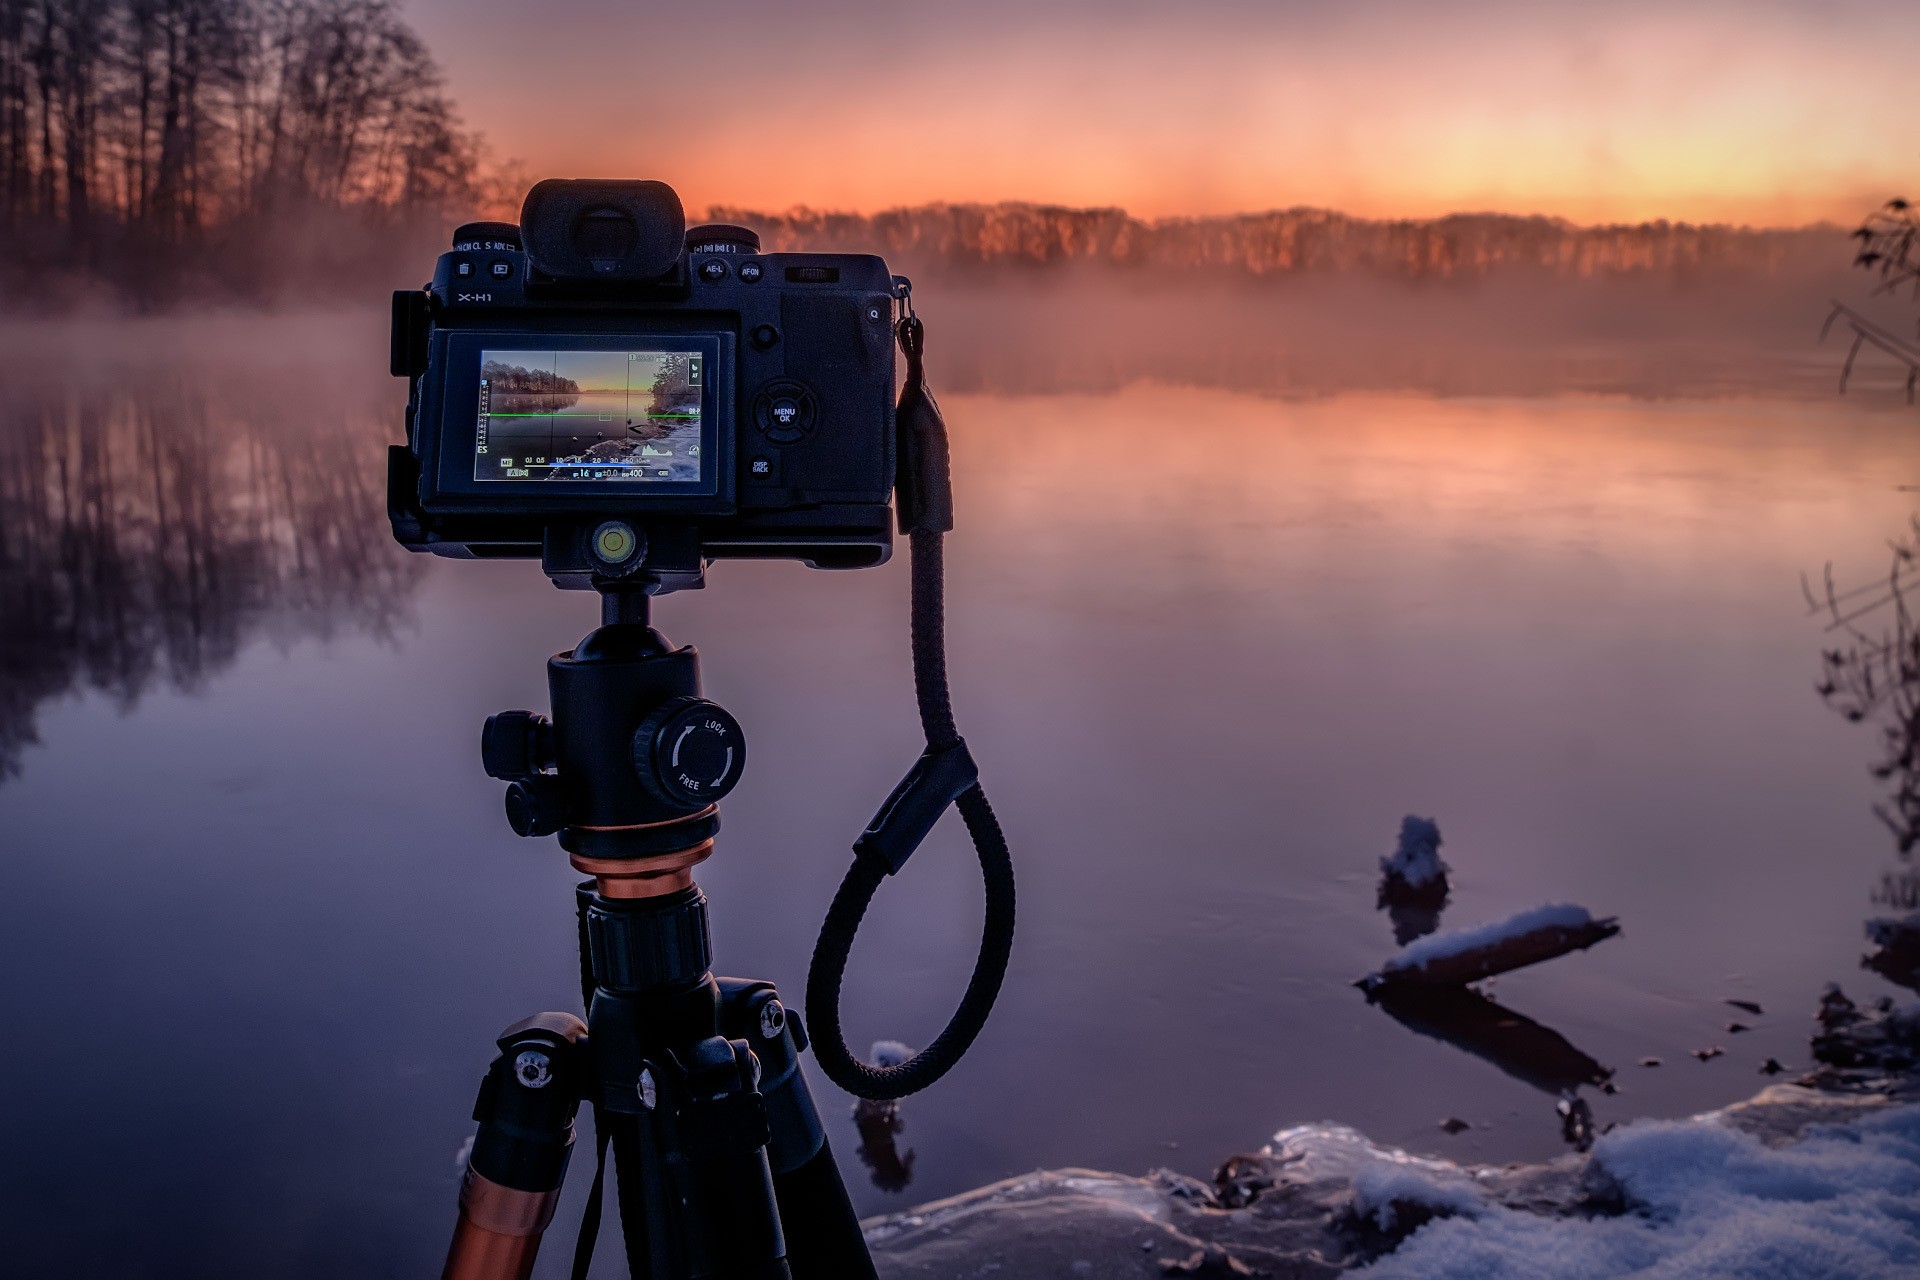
(823, 1235)
(512, 1184)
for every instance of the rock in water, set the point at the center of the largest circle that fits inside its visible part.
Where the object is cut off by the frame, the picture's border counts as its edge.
(1414, 872)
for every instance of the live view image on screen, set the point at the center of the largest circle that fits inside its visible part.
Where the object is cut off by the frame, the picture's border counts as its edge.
(589, 415)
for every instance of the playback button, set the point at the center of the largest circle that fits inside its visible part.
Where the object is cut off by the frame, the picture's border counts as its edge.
(784, 412)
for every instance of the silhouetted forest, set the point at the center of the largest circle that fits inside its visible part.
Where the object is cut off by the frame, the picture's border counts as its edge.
(221, 147)
(511, 377)
(1292, 242)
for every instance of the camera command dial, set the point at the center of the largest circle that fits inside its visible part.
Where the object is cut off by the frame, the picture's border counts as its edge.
(689, 752)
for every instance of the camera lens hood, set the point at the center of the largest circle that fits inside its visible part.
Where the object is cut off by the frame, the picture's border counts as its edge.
(615, 229)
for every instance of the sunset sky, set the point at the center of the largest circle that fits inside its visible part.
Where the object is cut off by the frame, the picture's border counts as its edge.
(1764, 111)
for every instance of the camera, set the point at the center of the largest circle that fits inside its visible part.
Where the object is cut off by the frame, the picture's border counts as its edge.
(600, 367)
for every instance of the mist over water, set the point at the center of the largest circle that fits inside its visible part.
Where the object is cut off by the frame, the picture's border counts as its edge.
(1242, 576)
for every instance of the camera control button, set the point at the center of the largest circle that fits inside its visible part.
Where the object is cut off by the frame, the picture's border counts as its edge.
(764, 336)
(784, 412)
(749, 272)
(463, 269)
(501, 270)
(713, 270)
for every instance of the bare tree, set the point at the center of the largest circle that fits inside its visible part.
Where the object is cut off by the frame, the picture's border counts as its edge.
(1889, 243)
(1872, 674)
(140, 138)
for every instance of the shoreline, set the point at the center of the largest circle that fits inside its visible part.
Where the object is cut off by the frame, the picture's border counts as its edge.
(1320, 1199)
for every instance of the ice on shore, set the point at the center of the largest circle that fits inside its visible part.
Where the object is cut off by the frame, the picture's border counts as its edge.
(1700, 1200)
(1396, 1198)
(1797, 1183)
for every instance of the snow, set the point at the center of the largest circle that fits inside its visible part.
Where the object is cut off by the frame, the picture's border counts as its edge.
(1703, 1202)
(1326, 1150)
(1416, 861)
(1385, 1194)
(1885, 932)
(889, 1053)
(1462, 941)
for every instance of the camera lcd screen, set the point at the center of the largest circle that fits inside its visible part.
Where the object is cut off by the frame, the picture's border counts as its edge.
(620, 417)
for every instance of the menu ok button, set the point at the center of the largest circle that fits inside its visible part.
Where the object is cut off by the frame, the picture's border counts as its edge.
(784, 412)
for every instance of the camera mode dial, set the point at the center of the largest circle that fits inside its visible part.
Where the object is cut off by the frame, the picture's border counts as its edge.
(487, 235)
(689, 752)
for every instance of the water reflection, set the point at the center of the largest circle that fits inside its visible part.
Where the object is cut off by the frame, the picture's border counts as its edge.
(157, 516)
(1212, 633)
(1530, 1052)
(879, 1125)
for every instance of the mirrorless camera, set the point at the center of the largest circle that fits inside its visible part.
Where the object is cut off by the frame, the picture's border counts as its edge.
(601, 366)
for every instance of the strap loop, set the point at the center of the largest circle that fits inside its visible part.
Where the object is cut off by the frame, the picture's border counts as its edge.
(944, 775)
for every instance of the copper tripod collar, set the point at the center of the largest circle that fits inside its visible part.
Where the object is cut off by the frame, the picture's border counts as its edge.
(648, 877)
(696, 816)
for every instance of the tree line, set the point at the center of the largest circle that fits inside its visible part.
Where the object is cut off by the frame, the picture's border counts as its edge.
(234, 144)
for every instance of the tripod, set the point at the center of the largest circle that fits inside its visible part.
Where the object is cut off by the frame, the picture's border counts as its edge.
(721, 1162)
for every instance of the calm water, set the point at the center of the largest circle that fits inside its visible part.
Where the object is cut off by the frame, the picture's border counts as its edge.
(260, 916)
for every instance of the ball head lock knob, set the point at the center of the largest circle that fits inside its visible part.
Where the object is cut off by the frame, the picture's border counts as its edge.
(516, 745)
(689, 752)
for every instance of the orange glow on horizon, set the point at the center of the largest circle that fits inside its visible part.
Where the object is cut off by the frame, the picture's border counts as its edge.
(1759, 114)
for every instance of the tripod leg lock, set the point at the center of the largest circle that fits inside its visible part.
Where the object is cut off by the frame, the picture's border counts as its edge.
(725, 1117)
(512, 1184)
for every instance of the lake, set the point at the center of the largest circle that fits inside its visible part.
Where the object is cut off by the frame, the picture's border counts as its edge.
(261, 916)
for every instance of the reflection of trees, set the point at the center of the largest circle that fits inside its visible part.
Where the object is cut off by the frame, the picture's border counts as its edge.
(1871, 673)
(153, 522)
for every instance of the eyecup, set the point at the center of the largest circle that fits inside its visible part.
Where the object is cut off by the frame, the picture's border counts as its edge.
(581, 229)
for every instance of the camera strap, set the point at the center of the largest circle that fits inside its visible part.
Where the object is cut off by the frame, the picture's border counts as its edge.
(944, 775)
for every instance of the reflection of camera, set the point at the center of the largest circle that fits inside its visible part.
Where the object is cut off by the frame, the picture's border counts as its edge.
(600, 362)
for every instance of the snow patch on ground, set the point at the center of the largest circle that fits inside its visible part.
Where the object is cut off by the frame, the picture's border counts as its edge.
(1704, 1202)
(1395, 1197)
(1563, 915)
